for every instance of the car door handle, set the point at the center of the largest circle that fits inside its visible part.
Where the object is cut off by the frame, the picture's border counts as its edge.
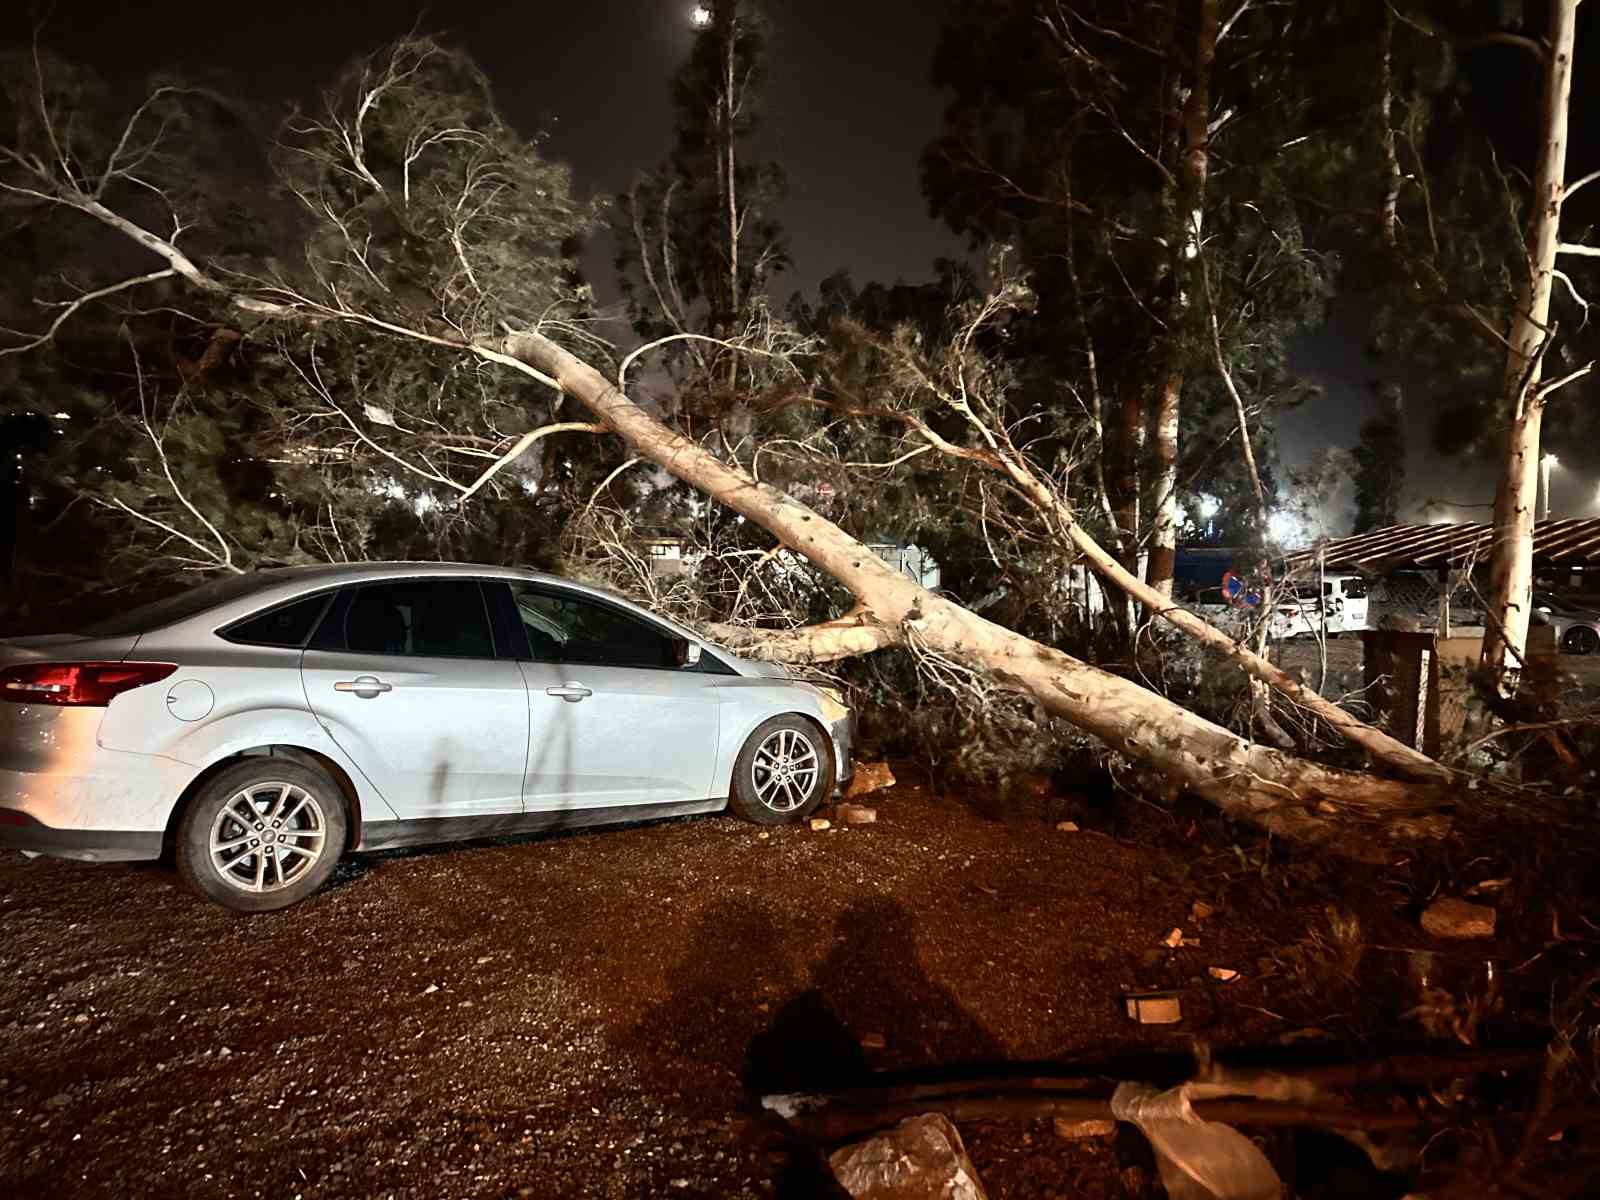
(570, 691)
(367, 687)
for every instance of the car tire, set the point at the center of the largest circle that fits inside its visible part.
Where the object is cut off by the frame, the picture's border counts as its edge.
(253, 866)
(784, 771)
(1581, 640)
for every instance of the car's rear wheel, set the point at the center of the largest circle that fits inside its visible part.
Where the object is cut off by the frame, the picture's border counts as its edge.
(1581, 639)
(784, 771)
(262, 834)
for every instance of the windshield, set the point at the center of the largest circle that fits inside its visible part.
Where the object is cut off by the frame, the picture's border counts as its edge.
(179, 607)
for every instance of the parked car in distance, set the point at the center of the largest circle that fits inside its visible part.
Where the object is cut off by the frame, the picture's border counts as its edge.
(1577, 629)
(263, 726)
(1293, 615)
(1344, 603)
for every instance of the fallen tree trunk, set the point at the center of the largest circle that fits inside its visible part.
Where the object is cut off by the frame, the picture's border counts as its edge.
(1276, 791)
(1059, 516)
(1273, 790)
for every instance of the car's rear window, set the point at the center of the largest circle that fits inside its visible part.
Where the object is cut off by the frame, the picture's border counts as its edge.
(286, 625)
(180, 607)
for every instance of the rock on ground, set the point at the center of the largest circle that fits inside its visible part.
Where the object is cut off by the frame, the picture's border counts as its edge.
(1453, 918)
(857, 814)
(921, 1158)
(869, 777)
(1077, 1131)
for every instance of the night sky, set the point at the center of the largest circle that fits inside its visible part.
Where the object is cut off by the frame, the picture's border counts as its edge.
(848, 110)
(848, 105)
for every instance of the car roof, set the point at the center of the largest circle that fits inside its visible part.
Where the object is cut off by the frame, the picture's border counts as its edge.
(240, 596)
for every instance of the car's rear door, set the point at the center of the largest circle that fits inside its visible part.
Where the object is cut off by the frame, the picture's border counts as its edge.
(614, 719)
(405, 677)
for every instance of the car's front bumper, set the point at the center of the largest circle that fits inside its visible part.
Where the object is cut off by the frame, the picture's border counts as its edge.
(19, 831)
(843, 733)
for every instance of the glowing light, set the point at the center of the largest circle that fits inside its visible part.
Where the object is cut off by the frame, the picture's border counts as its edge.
(1210, 506)
(700, 17)
(1286, 528)
(1550, 460)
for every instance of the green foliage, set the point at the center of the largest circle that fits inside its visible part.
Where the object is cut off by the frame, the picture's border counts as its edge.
(425, 205)
(1061, 139)
(192, 440)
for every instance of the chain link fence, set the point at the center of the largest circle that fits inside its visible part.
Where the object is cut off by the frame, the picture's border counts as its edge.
(1414, 601)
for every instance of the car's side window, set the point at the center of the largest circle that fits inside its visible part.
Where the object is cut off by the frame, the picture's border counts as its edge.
(563, 627)
(286, 625)
(428, 618)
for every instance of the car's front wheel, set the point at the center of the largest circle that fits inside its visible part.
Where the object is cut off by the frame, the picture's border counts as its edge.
(784, 771)
(262, 834)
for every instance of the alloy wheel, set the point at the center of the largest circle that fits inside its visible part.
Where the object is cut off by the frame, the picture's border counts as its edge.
(784, 771)
(267, 836)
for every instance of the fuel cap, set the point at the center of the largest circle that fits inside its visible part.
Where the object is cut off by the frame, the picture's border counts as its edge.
(189, 700)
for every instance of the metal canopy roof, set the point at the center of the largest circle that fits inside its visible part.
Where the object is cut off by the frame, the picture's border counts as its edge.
(1574, 543)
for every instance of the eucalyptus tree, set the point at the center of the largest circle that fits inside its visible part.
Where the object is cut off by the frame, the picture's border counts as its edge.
(430, 223)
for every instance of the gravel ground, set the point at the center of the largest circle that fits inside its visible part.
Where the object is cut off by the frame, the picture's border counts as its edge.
(586, 1014)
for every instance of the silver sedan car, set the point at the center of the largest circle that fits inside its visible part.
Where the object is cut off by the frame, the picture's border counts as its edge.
(261, 727)
(1577, 629)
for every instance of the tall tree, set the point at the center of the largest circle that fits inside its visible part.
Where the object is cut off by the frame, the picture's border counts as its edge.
(697, 238)
(1186, 235)
(1113, 144)
(1380, 466)
(1510, 598)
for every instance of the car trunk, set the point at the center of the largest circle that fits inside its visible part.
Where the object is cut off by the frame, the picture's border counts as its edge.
(35, 737)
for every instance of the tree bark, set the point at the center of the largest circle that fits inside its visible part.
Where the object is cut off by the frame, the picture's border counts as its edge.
(1193, 169)
(1511, 555)
(1164, 484)
(1390, 218)
(1275, 791)
(1130, 460)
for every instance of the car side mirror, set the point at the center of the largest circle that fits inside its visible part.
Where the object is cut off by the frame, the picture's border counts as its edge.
(686, 652)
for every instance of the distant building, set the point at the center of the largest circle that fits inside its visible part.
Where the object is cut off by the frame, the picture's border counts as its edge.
(909, 559)
(665, 555)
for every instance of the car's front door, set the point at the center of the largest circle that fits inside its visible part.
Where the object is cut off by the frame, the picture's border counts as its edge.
(615, 720)
(404, 676)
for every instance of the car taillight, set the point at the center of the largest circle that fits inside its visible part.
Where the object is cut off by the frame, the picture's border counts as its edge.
(78, 685)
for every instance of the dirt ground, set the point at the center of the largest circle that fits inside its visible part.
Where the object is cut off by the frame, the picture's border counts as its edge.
(591, 1014)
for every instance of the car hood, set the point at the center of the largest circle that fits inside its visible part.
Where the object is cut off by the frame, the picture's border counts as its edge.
(760, 670)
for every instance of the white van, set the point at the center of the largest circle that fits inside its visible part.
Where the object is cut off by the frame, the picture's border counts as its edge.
(1344, 603)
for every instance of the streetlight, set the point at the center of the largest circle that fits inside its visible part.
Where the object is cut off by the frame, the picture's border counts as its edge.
(700, 16)
(1545, 463)
(1209, 507)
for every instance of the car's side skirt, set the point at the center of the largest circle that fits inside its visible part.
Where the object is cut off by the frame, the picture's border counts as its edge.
(432, 831)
